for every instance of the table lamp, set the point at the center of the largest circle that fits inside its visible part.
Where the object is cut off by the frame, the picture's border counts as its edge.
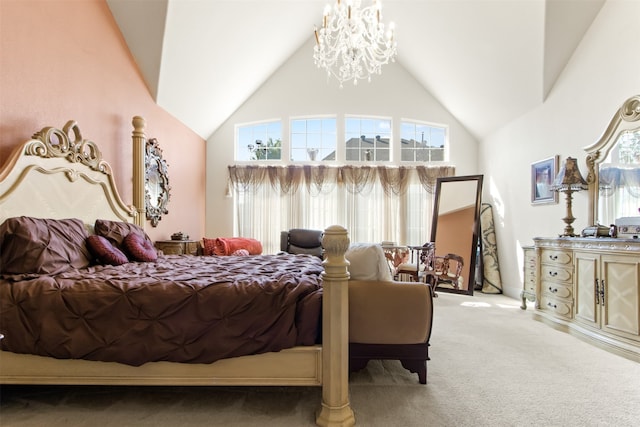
(569, 180)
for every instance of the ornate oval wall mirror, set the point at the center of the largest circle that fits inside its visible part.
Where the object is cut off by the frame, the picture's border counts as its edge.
(613, 164)
(456, 216)
(156, 183)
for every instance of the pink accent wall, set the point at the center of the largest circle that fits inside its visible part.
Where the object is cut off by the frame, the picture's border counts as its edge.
(67, 60)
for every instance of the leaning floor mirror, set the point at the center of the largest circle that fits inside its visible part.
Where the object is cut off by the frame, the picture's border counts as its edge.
(456, 216)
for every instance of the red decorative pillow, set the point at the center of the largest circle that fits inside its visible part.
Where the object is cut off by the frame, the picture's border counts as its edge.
(139, 248)
(228, 245)
(208, 246)
(105, 252)
(116, 231)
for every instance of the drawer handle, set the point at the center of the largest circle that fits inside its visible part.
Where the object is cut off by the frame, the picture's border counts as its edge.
(553, 290)
(552, 305)
(553, 257)
(553, 273)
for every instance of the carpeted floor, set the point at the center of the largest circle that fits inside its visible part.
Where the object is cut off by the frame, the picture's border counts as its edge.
(491, 365)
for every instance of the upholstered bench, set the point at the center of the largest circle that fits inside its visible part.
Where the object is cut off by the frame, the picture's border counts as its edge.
(387, 319)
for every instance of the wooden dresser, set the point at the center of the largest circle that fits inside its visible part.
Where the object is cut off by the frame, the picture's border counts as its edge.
(179, 247)
(590, 287)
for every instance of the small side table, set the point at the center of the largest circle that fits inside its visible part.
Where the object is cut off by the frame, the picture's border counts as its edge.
(179, 247)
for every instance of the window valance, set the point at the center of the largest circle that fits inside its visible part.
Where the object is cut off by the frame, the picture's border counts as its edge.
(322, 178)
(614, 179)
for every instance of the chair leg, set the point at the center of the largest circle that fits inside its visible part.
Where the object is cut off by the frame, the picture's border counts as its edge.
(417, 367)
(357, 364)
(413, 357)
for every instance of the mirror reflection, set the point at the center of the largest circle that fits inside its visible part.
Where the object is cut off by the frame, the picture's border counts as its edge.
(156, 182)
(613, 164)
(455, 232)
(153, 185)
(619, 179)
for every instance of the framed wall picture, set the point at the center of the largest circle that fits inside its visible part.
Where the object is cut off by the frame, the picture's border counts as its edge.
(542, 175)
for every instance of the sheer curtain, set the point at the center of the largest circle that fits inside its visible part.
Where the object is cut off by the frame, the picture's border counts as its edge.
(374, 203)
(619, 193)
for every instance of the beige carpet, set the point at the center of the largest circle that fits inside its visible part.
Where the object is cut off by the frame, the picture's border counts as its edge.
(491, 365)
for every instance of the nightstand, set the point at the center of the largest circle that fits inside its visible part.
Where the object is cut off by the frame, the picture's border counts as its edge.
(528, 292)
(179, 247)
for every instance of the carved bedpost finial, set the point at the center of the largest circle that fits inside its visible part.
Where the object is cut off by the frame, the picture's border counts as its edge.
(335, 242)
(139, 123)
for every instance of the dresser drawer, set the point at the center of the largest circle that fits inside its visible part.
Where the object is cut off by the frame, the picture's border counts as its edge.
(557, 307)
(530, 257)
(530, 282)
(558, 290)
(550, 256)
(556, 273)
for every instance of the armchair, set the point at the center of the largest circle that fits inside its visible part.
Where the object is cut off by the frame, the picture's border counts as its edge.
(447, 270)
(301, 241)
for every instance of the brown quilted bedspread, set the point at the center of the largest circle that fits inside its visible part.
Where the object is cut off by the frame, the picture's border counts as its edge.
(180, 309)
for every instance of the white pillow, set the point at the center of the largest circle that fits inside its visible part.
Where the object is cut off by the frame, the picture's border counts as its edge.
(367, 262)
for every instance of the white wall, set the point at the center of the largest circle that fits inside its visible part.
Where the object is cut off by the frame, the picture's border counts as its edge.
(603, 72)
(299, 88)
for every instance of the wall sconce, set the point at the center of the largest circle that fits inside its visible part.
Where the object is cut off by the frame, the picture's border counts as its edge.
(569, 180)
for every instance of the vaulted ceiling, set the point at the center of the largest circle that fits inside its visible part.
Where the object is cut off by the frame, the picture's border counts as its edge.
(486, 61)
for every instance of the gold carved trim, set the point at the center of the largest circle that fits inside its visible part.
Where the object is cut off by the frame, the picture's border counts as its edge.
(590, 243)
(621, 121)
(67, 143)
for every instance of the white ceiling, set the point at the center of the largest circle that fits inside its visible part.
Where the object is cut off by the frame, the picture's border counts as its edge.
(486, 61)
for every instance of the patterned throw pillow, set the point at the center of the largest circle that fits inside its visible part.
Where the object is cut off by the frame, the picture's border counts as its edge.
(139, 248)
(105, 252)
(241, 252)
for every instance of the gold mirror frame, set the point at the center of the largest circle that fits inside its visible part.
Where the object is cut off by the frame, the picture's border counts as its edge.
(624, 120)
(156, 182)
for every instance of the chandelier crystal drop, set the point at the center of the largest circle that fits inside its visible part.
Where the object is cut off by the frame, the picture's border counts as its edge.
(352, 43)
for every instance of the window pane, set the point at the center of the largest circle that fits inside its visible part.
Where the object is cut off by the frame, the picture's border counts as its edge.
(421, 142)
(298, 126)
(259, 141)
(367, 139)
(313, 139)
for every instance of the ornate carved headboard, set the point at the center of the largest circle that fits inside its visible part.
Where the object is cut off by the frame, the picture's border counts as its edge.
(58, 174)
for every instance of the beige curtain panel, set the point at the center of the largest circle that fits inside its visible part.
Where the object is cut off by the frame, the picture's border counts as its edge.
(321, 178)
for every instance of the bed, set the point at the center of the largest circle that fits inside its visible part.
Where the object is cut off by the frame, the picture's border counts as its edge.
(59, 175)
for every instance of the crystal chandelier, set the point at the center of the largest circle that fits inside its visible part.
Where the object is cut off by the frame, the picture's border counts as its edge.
(352, 43)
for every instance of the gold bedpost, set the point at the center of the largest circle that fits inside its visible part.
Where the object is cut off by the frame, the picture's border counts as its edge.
(139, 144)
(336, 409)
